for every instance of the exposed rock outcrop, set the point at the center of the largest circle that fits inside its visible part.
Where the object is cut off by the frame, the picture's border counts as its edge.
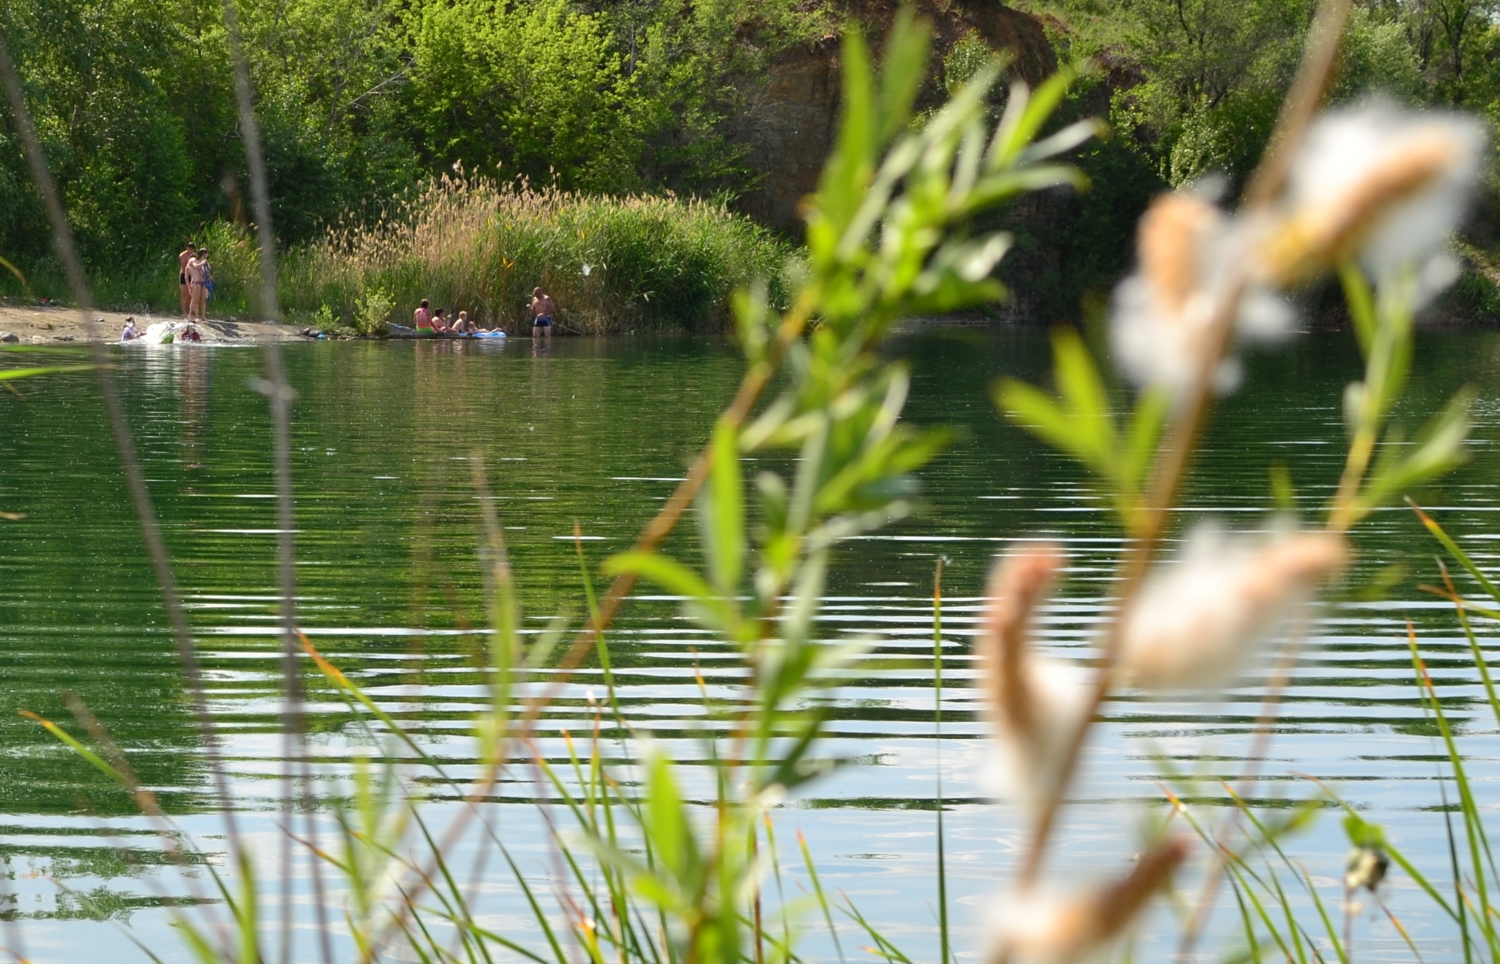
(789, 124)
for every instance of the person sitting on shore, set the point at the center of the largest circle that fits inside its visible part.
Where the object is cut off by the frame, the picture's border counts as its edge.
(131, 332)
(421, 319)
(463, 326)
(440, 322)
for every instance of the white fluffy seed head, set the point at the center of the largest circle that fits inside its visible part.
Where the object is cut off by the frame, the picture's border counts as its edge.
(1162, 326)
(1026, 764)
(1035, 703)
(1197, 619)
(1031, 927)
(1379, 183)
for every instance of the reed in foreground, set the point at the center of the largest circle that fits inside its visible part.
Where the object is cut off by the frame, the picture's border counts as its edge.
(663, 862)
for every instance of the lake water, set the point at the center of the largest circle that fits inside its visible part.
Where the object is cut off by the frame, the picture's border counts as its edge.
(595, 433)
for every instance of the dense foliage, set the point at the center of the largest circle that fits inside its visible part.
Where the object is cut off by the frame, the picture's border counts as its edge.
(1191, 89)
(364, 102)
(361, 102)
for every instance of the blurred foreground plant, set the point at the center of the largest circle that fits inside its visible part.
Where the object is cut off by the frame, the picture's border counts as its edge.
(1370, 193)
(650, 875)
(654, 870)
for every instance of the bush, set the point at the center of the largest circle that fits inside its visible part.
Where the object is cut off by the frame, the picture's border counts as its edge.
(373, 312)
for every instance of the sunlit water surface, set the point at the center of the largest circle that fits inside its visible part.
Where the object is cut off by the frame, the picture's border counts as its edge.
(595, 434)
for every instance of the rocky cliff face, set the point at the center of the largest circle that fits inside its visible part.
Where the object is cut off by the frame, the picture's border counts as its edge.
(789, 125)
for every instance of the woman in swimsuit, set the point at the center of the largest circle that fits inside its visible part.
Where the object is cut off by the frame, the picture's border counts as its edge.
(421, 319)
(197, 276)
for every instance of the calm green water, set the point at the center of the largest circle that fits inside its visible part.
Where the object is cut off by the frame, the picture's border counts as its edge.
(595, 434)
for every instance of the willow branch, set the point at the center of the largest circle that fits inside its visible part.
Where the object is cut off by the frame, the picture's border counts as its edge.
(1306, 95)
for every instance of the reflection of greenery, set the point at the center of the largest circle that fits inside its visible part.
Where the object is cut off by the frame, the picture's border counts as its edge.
(68, 863)
(101, 904)
(359, 531)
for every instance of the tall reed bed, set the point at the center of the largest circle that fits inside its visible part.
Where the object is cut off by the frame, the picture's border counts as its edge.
(612, 263)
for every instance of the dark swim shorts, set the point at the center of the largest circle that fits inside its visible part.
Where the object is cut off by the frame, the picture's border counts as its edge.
(543, 322)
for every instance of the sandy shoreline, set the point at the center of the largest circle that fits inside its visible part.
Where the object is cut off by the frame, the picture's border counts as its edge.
(53, 325)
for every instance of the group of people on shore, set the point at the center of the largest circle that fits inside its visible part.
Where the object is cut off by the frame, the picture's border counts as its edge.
(195, 281)
(429, 320)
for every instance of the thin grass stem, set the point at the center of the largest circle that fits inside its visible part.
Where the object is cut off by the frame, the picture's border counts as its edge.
(945, 951)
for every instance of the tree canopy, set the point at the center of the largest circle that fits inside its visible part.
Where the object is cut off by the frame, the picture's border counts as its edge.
(360, 100)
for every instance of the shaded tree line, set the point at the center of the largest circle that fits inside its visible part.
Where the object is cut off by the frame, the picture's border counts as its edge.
(1191, 89)
(360, 101)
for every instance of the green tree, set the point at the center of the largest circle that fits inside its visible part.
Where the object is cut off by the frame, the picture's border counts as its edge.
(98, 74)
(535, 89)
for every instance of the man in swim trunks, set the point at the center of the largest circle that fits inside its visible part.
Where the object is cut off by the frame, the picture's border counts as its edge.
(542, 308)
(183, 288)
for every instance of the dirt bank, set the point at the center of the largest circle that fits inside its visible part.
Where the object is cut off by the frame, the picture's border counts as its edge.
(51, 325)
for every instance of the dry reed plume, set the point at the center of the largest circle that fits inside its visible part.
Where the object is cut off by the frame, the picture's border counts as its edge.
(613, 263)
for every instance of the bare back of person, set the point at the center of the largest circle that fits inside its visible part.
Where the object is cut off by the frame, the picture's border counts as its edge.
(183, 289)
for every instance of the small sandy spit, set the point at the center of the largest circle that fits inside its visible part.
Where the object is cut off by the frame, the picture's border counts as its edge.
(57, 325)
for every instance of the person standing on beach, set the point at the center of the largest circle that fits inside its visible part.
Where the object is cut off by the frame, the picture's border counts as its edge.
(197, 278)
(183, 257)
(542, 309)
